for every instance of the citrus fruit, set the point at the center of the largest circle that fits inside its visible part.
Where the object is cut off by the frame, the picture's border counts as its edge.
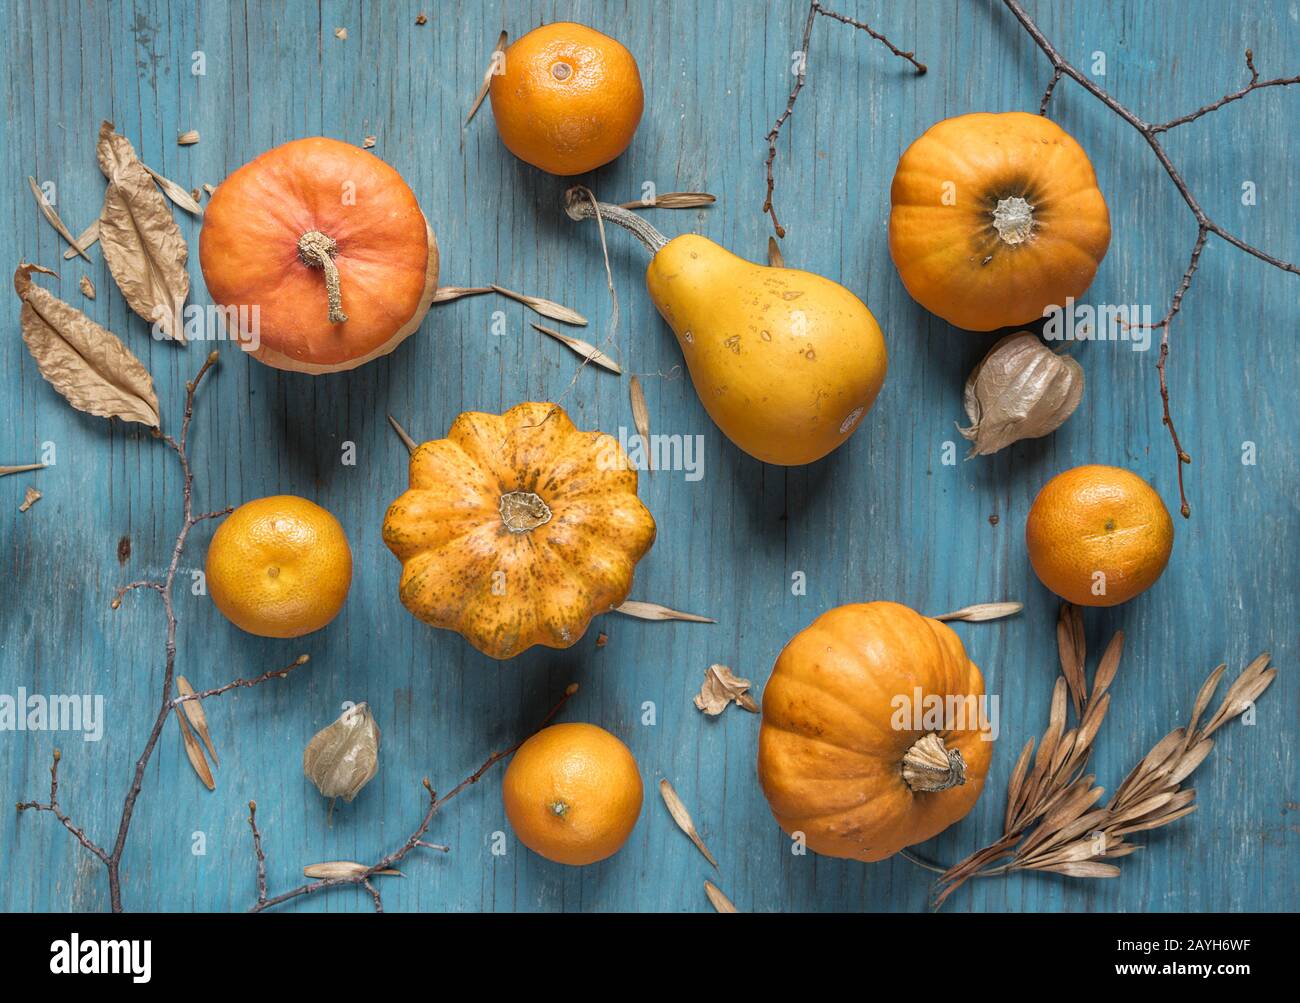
(572, 793)
(279, 567)
(569, 98)
(1097, 536)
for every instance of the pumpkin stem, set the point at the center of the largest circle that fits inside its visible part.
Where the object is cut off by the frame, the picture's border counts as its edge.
(317, 251)
(1014, 220)
(930, 766)
(522, 511)
(579, 207)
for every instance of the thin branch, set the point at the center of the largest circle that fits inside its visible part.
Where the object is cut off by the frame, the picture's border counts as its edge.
(814, 8)
(1254, 85)
(257, 851)
(244, 683)
(112, 859)
(909, 56)
(52, 806)
(416, 839)
(1047, 94)
(1205, 225)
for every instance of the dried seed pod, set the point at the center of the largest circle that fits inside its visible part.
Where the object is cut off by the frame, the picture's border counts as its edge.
(1021, 390)
(344, 757)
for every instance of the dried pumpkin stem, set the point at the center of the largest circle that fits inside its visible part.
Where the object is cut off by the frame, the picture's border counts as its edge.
(931, 766)
(579, 207)
(523, 511)
(317, 251)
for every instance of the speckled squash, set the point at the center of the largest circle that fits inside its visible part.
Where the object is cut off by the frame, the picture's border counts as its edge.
(517, 529)
(329, 244)
(994, 218)
(847, 764)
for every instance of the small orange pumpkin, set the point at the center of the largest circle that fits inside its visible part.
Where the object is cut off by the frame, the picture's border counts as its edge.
(850, 750)
(994, 218)
(517, 529)
(328, 243)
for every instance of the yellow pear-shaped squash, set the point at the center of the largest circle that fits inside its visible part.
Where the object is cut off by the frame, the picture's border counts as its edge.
(785, 362)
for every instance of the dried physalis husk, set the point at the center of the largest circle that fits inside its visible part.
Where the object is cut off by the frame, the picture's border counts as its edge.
(1021, 390)
(344, 757)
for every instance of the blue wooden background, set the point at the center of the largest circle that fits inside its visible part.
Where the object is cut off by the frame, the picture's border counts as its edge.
(882, 518)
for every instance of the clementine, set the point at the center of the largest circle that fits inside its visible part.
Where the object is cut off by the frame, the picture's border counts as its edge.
(572, 793)
(279, 567)
(1098, 536)
(569, 98)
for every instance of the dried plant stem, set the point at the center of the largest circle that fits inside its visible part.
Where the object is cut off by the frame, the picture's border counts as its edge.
(112, 858)
(390, 860)
(1053, 821)
(815, 8)
(1205, 226)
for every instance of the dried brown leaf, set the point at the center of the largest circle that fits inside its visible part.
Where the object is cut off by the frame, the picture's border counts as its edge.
(84, 362)
(720, 902)
(546, 308)
(721, 688)
(195, 753)
(186, 200)
(85, 239)
(1084, 869)
(1108, 666)
(30, 498)
(52, 216)
(343, 869)
(1015, 787)
(1203, 698)
(640, 413)
(672, 200)
(585, 349)
(446, 294)
(775, 259)
(197, 717)
(113, 151)
(144, 249)
(1154, 823)
(982, 611)
(653, 611)
(487, 77)
(683, 819)
(1190, 760)
(1073, 652)
(21, 468)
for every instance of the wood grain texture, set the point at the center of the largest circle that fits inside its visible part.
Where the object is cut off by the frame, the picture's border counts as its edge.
(881, 518)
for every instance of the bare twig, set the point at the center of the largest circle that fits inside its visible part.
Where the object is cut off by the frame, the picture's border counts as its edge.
(416, 839)
(1205, 225)
(814, 8)
(112, 858)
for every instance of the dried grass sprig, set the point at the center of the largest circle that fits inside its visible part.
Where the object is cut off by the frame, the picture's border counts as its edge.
(1054, 820)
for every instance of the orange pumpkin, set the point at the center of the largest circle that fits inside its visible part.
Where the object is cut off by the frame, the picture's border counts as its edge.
(871, 737)
(518, 529)
(995, 218)
(329, 245)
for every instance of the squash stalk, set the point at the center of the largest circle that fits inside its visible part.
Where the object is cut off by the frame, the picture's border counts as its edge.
(316, 250)
(930, 766)
(579, 206)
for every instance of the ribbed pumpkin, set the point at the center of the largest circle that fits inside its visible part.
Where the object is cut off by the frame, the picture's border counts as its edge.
(517, 529)
(994, 218)
(328, 243)
(840, 757)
